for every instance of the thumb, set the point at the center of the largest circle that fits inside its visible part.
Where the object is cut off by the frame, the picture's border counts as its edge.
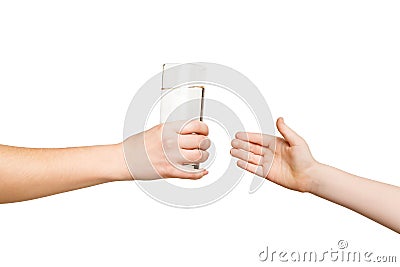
(290, 136)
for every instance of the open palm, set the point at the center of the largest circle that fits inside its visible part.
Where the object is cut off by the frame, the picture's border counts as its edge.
(290, 157)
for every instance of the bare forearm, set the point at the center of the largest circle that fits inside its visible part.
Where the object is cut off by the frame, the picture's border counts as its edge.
(27, 173)
(377, 201)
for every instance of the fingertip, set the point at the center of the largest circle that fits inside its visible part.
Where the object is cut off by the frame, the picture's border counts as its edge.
(240, 135)
(279, 121)
(199, 175)
(240, 163)
(203, 127)
(289, 134)
(280, 124)
(234, 142)
(205, 143)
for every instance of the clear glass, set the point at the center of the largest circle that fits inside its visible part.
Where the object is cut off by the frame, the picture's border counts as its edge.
(181, 102)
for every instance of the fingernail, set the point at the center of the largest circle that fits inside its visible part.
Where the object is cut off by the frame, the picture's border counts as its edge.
(234, 142)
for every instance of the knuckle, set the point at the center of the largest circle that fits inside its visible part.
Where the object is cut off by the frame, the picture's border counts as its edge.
(181, 140)
(187, 155)
(197, 156)
(168, 143)
(264, 151)
(160, 127)
(253, 158)
(253, 148)
(194, 156)
(195, 140)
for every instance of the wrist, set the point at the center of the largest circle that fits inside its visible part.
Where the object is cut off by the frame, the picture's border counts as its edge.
(315, 177)
(111, 162)
(120, 168)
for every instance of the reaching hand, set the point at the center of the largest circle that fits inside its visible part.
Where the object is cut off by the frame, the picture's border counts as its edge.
(164, 150)
(291, 161)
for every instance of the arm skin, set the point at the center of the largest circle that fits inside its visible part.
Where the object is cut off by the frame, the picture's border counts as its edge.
(294, 167)
(28, 173)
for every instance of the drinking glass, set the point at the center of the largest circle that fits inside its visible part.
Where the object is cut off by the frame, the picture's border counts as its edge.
(182, 94)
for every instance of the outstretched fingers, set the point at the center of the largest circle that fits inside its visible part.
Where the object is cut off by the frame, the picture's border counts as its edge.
(253, 168)
(247, 146)
(246, 156)
(263, 140)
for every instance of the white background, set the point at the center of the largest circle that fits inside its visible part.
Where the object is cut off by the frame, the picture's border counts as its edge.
(68, 70)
